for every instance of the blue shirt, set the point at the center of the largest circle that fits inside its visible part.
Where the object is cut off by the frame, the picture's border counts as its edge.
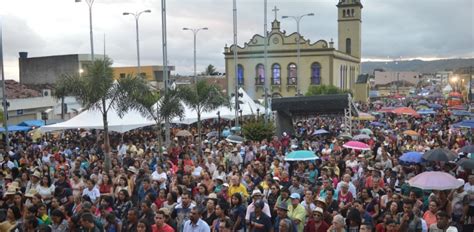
(200, 226)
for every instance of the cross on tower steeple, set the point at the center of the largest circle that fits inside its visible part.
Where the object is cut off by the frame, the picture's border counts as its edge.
(275, 9)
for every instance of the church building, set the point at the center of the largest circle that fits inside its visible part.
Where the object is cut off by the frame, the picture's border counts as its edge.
(320, 62)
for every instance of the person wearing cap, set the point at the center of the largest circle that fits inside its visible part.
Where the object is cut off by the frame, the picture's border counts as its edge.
(237, 187)
(296, 212)
(257, 196)
(235, 158)
(259, 221)
(316, 222)
(34, 181)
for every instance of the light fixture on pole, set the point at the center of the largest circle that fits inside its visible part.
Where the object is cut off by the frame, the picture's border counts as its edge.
(234, 22)
(298, 19)
(90, 3)
(137, 16)
(195, 31)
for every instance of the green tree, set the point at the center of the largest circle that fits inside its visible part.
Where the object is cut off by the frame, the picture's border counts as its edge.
(59, 92)
(324, 90)
(210, 70)
(96, 89)
(157, 108)
(202, 97)
(257, 130)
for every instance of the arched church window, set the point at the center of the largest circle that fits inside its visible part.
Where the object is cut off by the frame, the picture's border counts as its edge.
(276, 74)
(260, 74)
(292, 72)
(343, 13)
(352, 12)
(240, 74)
(315, 74)
(348, 46)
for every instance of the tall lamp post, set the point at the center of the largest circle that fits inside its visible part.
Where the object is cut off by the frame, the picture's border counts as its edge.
(298, 19)
(4, 94)
(195, 31)
(218, 125)
(90, 3)
(137, 16)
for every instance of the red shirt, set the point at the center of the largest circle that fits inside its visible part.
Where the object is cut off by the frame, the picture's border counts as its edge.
(311, 226)
(164, 228)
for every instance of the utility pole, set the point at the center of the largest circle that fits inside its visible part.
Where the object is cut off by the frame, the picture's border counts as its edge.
(165, 65)
(4, 94)
(235, 63)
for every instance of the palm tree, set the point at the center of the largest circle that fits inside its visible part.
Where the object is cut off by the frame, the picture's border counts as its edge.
(202, 97)
(157, 108)
(97, 90)
(59, 92)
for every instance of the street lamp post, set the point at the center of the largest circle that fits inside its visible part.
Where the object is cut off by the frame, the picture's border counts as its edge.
(137, 16)
(90, 3)
(4, 94)
(218, 125)
(298, 19)
(195, 31)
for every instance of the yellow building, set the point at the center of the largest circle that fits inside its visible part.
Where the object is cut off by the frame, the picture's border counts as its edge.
(152, 73)
(320, 62)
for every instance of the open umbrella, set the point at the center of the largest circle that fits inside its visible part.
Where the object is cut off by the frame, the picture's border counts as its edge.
(405, 111)
(461, 113)
(366, 131)
(235, 139)
(435, 106)
(345, 136)
(411, 133)
(301, 155)
(464, 124)
(356, 145)
(377, 124)
(412, 157)
(467, 149)
(212, 134)
(439, 154)
(434, 181)
(320, 132)
(183, 133)
(466, 163)
(361, 137)
(426, 111)
(423, 102)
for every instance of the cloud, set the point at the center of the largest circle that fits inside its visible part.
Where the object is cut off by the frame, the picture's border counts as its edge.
(423, 28)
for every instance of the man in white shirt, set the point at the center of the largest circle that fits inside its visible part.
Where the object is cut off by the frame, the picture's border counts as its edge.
(91, 191)
(160, 176)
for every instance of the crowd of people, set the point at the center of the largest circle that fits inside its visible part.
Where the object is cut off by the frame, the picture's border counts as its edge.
(59, 182)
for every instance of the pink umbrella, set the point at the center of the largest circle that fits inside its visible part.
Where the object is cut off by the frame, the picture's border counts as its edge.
(356, 145)
(435, 181)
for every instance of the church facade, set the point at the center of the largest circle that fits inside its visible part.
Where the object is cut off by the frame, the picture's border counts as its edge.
(320, 62)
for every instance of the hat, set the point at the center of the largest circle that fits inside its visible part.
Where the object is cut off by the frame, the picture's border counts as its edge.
(212, 196)
(321, 200)
(361, 156)
(36, 173)
(295, 196)
(207, 150)
(461, 181)
(276, 179)
(9, 176)
(259, 204)
(31, 192)
(164, 152)
(283, 206)
(225, 185)
(165, 211)
(11, 190)
(256, 192)
(133, 169)
(219, 178)
(235, 150)
(318, 210)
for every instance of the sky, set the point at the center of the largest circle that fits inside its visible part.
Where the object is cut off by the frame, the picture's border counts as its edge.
(391, 29)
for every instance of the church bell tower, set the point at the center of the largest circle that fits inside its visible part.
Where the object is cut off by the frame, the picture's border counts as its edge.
(349, 22)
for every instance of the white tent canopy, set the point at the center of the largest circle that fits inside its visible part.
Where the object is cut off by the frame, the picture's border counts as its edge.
(92, 119)
(248, 106)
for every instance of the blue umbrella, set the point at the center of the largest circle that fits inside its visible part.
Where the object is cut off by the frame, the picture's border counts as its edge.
(301, 155)
(31, 123)
(464, 124)
(423, 102)
(435, 106)
(412, 157)
(320, 132)
(379, 124)
(426, 111)
(461, 113)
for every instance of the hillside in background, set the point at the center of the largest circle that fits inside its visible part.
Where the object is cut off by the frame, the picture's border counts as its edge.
(418, 65)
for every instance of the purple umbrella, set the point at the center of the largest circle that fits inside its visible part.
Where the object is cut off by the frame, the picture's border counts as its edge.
(434, 181)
